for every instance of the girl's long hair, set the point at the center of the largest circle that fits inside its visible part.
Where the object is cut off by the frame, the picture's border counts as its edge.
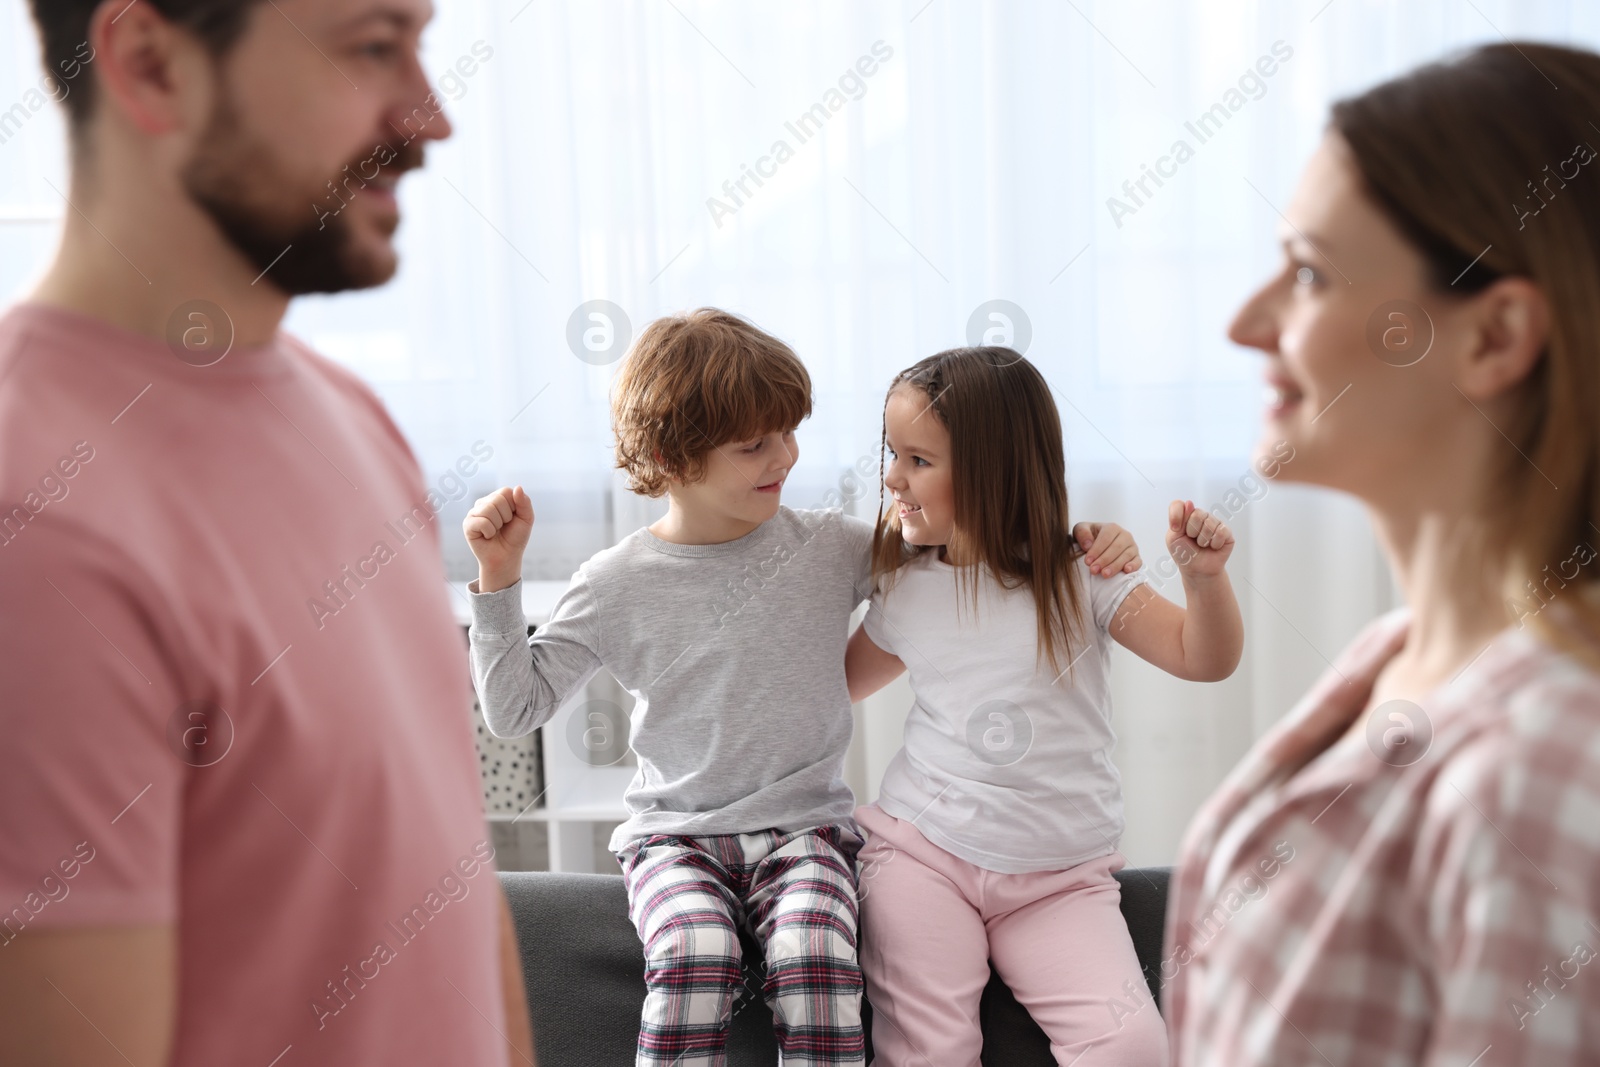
(1469, 158)
(1009, 476)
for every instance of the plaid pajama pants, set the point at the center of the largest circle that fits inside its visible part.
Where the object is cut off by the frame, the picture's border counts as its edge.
(689, 896)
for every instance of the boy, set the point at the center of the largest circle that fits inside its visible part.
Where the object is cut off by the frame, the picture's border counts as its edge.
(727, 620)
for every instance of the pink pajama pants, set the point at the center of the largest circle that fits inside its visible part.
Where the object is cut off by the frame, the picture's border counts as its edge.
(931, 924)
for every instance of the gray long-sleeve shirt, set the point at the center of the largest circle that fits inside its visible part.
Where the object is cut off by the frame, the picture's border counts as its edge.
(733, 652)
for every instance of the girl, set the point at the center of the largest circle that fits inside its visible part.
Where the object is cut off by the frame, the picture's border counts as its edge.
(995, 833)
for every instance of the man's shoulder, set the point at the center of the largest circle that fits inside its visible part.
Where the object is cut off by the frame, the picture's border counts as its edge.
(54, 419)
(30, 368)
(345, 384)
(320, 366)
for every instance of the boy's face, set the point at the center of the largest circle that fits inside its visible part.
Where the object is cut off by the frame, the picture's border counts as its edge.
(743, 479)
(918, 470)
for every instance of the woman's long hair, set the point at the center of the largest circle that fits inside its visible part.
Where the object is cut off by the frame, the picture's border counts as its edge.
(1009, 477)
(1487, 164)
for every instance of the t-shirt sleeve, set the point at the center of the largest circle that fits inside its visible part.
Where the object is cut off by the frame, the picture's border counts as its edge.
(1106, 593)
(522, 681)
(858, 548)
(90, 782)
(878, 626)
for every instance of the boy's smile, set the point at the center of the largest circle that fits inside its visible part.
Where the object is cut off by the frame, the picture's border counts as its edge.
(740, 490)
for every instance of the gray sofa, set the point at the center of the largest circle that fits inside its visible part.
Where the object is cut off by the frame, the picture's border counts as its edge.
(585, 974)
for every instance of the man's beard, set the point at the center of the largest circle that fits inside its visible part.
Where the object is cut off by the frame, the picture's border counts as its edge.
(299, 242)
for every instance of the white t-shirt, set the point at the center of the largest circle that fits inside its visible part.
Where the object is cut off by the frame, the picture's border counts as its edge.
(1003, 766)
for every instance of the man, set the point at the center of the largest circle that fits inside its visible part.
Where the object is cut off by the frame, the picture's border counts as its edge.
(242, 818)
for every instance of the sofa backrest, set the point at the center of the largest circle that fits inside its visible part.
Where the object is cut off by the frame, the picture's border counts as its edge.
(584, 968)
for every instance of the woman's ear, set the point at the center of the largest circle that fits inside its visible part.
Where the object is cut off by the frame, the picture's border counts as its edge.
(1510, 321)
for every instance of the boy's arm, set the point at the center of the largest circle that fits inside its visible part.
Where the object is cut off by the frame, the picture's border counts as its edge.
(522, 681)
(868, 668)
(1200, 643)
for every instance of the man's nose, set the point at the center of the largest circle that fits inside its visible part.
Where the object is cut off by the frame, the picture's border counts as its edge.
(420, 96)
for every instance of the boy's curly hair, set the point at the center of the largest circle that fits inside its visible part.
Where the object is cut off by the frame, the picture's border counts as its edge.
(697, 381)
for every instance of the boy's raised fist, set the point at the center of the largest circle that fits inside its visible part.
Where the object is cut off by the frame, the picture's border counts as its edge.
(497, 530)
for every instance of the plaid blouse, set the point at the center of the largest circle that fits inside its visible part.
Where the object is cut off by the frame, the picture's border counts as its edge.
(1424, 891)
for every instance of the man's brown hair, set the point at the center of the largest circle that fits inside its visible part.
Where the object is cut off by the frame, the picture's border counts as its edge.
(695, 382)
(64, 34)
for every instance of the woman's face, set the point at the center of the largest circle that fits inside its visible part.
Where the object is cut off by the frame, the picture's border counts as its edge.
(1360, 353)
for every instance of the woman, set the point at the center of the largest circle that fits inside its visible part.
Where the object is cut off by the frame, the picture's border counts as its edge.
(1406, 870)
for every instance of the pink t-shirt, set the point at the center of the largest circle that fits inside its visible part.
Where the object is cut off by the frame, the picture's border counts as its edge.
(232, 697)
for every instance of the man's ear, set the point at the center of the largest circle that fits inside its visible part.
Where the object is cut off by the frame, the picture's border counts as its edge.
(1511, 327)
(147, 66)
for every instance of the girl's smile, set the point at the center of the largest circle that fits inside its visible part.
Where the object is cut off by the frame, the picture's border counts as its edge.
(917, 471)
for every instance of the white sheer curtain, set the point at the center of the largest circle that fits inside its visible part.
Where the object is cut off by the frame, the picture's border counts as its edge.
(975, 162)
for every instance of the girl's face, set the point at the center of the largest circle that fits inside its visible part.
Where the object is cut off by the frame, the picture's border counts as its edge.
(918, 473)
(1360, 352)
